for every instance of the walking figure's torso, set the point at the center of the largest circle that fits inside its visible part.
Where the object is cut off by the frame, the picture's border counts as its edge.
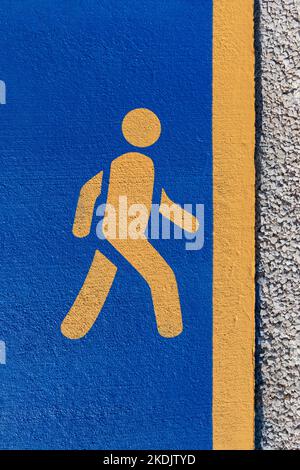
(131, 175)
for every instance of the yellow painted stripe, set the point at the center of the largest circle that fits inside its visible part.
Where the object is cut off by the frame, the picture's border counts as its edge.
(233, 291)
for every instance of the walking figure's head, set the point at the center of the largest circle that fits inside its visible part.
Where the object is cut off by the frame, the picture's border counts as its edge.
(141, 127)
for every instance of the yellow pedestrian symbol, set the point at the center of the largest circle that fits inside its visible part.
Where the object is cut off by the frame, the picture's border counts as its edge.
(131, 175)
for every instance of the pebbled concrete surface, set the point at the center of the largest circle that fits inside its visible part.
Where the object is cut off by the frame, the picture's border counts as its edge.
(278, 234)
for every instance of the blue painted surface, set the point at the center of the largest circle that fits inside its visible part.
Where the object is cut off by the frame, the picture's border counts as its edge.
(73, 70)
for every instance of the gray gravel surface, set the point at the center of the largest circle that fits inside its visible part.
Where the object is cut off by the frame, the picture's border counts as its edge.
(278, 221)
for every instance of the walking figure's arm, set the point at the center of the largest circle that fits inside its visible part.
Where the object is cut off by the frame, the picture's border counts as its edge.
(177, 214)
(89, 192)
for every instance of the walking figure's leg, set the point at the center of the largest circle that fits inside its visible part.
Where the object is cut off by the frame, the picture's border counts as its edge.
(164, 291)
(90, 299)
(161, 280)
